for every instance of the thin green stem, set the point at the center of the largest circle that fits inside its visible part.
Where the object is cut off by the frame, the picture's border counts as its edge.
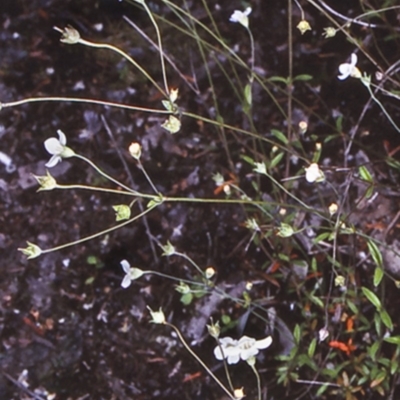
(80, 100)
(153, 21)
(98, 189)
(101, 233)
(183, 255)
(128, 58)
(253, 367)
(228, 375)
(110, 178)
(200, 361)
(381, 107)
(147, 177)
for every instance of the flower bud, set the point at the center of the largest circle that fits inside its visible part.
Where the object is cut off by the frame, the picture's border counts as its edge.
(135, 150)
(303, 26)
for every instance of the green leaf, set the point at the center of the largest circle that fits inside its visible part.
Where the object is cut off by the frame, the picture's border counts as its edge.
(89, 280)
(386, 319)
(378, 324)
(393, 340)
(375, 253)
(372, 297)
(248, 159)
(321, 237)
(317, 301)
(322, 389)
(373, 350)
(378, 275)
(394, 367)
(369, 192)
(302, 77)
(275, 161)
(311, 348)
(247, 94)
(352, 307)
(365, 174)
(280, 136)
(339, 124)
(279, 79)
(186, 299)
(297, 334)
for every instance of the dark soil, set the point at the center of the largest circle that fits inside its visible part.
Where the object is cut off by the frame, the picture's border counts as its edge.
(64, 316)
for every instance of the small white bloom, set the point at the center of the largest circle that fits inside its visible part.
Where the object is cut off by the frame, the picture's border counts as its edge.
(351, 69)
(238, 394)
(135, 150)
(210, 272)
(241, 17)
(314, 174)
(244, 348)
(131, 274)
(333, 209)
(323, 333)
(58, 149)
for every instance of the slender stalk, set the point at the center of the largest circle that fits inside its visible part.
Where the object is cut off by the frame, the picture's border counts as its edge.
(80, 100)
(97, 189)
(253, 367)
(200, 361)
(147, 176)
(228, 375)
(102, 173)
(95, 235)
(153, 21)
(121, 53)
(191, 262)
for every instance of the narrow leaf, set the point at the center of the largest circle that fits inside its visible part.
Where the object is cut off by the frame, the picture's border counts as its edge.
(372, 297)
(375, 253)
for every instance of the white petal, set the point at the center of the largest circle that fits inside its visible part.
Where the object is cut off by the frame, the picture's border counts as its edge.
(53, 146)
(246, 341)
(247, 11)
(54, 160)
(218, 353)
(264, 343)
(345, 70)
(313, 173)
(233, 359)
(125, 266)
(62, 137)
(247, 353)
(236, 16)
(354, 59)
(126, 282)
(227, 341)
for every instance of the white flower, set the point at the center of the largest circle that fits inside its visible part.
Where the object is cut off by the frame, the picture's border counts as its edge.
(314, 174)
(241, 17)
(58, 149)
(244, 348)
(131, 274)
(347, 69)
(323, 333)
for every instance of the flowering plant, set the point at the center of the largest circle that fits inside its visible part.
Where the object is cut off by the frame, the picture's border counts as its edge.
(242, 349)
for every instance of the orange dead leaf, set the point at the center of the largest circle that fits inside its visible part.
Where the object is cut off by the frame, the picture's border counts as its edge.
(350, 324)
(345, 347)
